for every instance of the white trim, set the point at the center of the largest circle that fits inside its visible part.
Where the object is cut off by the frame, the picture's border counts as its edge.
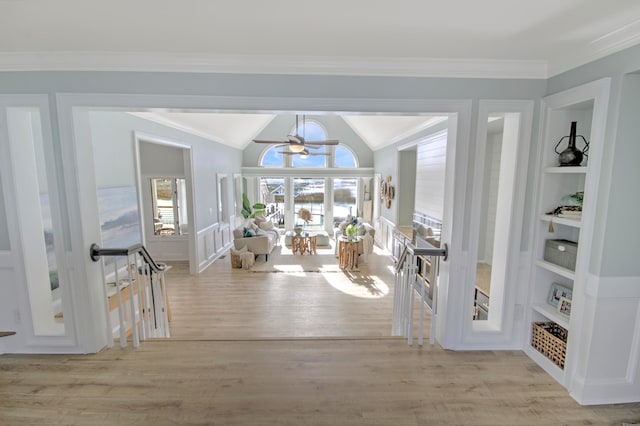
(416, 129)
(425, 139)
(188, 176)
(306, 172)
(172, 124)
(272, 64)
(612, 287)
(499, 328)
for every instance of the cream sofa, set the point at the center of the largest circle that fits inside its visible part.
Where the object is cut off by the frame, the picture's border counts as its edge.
(257, 240)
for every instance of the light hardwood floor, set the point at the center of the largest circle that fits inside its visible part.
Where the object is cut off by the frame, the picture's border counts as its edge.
(245, 352)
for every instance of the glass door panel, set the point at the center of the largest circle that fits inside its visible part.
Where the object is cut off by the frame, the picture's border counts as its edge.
(308, 202)
(345, 192)
(272, 195)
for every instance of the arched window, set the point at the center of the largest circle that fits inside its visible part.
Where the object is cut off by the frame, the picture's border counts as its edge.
(272, 157)
(344, 157)
(311, 130)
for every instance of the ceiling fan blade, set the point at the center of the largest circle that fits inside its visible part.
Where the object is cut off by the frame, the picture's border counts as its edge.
(300, 153)
(263, 141)
(327, 142)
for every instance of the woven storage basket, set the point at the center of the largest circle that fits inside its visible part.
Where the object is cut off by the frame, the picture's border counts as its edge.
(550, 340)
(236, 261)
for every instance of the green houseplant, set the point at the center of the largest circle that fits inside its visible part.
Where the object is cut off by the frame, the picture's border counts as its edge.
(350, 231)
(249, 210)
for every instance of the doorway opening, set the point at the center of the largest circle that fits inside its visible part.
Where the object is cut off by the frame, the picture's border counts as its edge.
(239, 184)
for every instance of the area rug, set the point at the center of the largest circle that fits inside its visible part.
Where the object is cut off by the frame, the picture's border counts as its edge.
(282, 259)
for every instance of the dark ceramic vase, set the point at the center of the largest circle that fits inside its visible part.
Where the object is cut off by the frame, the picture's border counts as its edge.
(571, 155)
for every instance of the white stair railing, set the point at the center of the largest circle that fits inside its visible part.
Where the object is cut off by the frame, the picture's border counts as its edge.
(141, 299)
(406, 284)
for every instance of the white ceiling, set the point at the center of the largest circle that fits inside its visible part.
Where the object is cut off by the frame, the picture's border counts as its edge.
(238, 130)
(545, 35)
(472, 38)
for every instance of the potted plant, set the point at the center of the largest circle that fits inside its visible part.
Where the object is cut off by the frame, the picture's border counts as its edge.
(350, 231)
(249, 210)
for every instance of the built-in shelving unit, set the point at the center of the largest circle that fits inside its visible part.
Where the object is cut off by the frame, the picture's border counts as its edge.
(555, 182)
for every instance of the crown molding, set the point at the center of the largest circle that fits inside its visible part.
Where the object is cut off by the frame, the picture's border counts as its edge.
(605, 45)
(264, 64)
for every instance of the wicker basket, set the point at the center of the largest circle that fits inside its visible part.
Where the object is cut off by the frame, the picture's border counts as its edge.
(550, 339)
(236, 261)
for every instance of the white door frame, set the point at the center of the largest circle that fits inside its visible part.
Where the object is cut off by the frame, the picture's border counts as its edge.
(191, 198)
(17, 166)
(502, 330)
(80, 179)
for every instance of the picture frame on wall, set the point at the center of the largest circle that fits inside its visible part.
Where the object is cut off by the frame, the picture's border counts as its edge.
(556, 291)
(564, 306)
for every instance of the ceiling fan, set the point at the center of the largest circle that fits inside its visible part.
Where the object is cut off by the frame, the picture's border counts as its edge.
(297, 143)
(303, 154)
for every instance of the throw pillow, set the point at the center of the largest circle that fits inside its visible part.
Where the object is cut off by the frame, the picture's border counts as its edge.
(249, 233)
(259, 220)
(254, 227)
(267, 226)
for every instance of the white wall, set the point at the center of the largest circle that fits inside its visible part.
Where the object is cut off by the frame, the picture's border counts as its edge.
(430, 173)
(112, 134)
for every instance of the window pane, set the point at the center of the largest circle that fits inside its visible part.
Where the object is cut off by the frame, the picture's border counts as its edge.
(344, 198)
(309, 194)
(272, 195)
(311, 131)
(316, 158)
(344, 157)
(272, 158)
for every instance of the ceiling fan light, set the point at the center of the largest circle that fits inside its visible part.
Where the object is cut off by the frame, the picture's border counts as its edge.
(304, 154)
(295, 147)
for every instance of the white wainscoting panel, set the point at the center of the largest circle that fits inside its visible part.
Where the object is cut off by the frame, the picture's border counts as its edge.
(385, 232)
(608, 368)
(213, 242)
(9, 312)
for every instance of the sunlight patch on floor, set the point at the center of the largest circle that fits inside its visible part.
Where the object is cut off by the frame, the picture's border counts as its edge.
(358, 285)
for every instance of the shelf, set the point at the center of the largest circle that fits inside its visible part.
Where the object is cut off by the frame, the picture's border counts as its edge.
(576, 223)
(567, 273)
(567, 169)
(553, 370)
(550, 313)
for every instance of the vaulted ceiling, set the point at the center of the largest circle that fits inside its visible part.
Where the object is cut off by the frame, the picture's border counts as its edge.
(453, 38)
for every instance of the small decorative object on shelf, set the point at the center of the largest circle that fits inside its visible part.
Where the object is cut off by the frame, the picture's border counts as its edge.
(557, 292)
(571, 155)
(564, 306)
(561, 252)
